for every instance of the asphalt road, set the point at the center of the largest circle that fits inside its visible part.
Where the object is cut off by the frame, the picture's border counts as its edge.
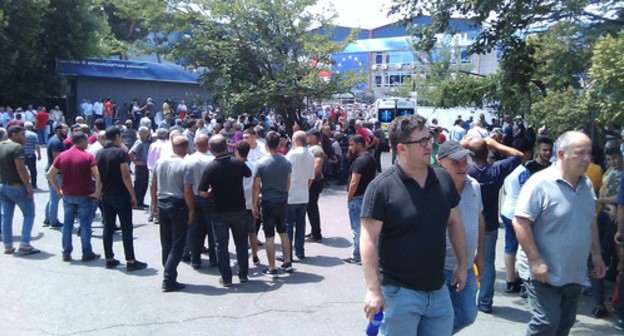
(41, 295)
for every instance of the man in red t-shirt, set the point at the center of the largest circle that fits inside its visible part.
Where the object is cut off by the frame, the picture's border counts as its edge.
(41, 124)
(78, 169)
(108, 112)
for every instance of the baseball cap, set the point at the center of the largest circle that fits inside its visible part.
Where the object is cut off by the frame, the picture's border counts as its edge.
(453, 150)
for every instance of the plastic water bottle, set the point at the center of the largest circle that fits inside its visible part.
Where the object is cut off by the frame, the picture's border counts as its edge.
(373, 326)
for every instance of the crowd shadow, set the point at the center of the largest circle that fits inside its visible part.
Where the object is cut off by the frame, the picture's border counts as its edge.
(512, 314)
(323, 261)
(36, 256)
(337, 242)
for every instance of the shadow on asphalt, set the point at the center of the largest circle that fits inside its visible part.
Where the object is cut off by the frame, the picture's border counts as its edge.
(512, 314)
(37, 256)
(338, 242)
(323, 261)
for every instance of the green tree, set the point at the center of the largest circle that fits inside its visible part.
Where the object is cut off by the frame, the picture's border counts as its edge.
(606, 91)
(35, 34)
(262, 53)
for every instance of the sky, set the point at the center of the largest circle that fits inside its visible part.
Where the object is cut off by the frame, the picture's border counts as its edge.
(359, 13)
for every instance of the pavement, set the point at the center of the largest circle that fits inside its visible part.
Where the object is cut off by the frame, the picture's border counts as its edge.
(324, 296)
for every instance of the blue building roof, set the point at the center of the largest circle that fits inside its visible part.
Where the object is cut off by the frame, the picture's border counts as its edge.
(128, 70)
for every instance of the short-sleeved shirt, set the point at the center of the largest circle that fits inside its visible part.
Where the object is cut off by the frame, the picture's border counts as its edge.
(169, 173)
(273, 171)
(195, 166)
(491, 178)
(620, 196)
(248, 186)
(75, 167)
(54, 145)
(41, 119)
(140, 149)
(302, 163)
(366, 166)
(32, 140)
(610, 182)
(109, 160)
(470, 208)
(412, 242)
(225, 176)
(318, 153)
(562, 218)
(9, 152)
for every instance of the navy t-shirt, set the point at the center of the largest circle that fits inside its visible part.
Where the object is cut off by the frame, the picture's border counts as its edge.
(54, 145)
(491, 178)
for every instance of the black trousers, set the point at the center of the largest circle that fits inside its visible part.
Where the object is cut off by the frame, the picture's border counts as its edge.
(314, 215)
(173, 218)
(111, 208)
(31, 163)
(141, 178)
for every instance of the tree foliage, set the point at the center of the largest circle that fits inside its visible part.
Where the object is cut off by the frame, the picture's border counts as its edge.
(35, 34)
(607, 79)
(261, 53)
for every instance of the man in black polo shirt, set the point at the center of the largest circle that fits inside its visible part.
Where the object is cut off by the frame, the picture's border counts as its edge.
(224, 178)
(118, 198)
(405, 214)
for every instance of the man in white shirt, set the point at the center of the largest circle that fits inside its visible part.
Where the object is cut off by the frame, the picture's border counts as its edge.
(98, 109)
(301, 178)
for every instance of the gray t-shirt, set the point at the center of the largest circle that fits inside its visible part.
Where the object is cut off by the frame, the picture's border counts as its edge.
(274, 172)
(470, 207)
(562, 219)
(169, 173)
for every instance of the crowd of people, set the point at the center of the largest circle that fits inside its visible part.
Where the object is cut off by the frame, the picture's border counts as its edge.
(424, 230)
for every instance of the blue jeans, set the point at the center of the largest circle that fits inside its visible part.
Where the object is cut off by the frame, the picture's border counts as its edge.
(486, 294)
(41, 134)
(83, 205)
(511, 241)
(410, 312)
(51, 210)
(355, 207)
(296, 224)
(464, 302)
(9, 197)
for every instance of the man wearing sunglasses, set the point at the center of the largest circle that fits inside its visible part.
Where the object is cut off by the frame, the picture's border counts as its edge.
(405, 214)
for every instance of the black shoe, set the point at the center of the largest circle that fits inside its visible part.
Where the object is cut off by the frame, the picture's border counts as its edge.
(66, 257)
(135, 266)
(256, 260)
(225, 283)
(599, 312)
(243, 279)
(56, 226)
(176, 286)
(287, 267)
(523, 292)
(300, 256)
(90, 256)
(260, 243)
(619, 325)
(513, 287)
(309, 235)
(186, 258)
(486, 308)
(111, 263)
(270, 273)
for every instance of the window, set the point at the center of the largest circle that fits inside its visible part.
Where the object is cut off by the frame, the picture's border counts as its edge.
(378, 58)
(378, 81)
(465, 57)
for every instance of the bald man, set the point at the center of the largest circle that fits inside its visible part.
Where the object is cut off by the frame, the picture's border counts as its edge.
(555, 225)
(201, 224)
(174, 206)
